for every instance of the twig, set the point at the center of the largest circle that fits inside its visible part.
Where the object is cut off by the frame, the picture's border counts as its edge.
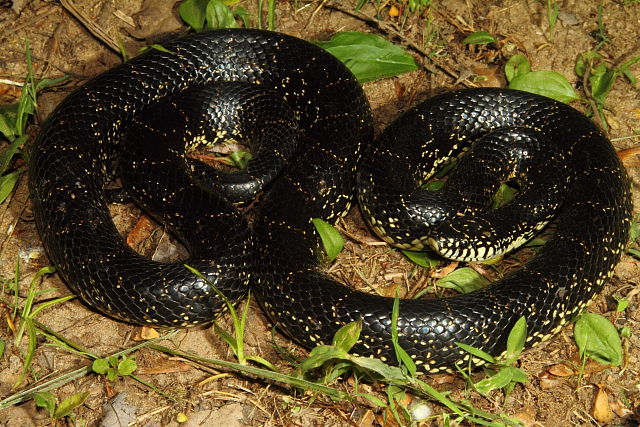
(592, 103)
(91, 26)
(314, 13)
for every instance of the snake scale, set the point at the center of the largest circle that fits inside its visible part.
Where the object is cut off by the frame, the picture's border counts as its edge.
(81, 145)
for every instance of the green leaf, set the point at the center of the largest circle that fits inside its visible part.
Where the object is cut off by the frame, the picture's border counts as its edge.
(193, 13)
(623, 303)
(602, 83)
(8, 183)
(546, 83)
(2, 347)
(70, 403)
(240, 159)
(227, 337)
(49, 303)
(463, 280)
(332, 240)
(336, 370)
(500, 380)
(552, 14)
(402, 356)
(126, 366)
(395, 396)
(625, 332)
(598, 339)
(262, 361)
(634, 231)
(518, 375)
(112, 374)
(100, 366)
(45, 83)
(31, 349)
(347, 336)
(504, 195)
(389, 373)
(113, 361)
(476, 352)
(373, 399)
(46, 400)
(426, 259)
(445, 168)
(242, 13)
(434, 185)
(479, 37)
(7, 127)
(496, 381)
(536, 241)
(516, 340)
(516, 65)
(26, 107)
(368, 56)
(584, 61)
(218, 15)
(159, 47)
(624, 68)
(321, 354)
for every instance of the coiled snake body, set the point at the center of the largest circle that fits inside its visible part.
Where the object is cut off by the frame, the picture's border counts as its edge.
(75, 152)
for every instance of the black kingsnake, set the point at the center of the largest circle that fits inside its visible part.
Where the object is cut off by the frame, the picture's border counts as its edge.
(75, 152)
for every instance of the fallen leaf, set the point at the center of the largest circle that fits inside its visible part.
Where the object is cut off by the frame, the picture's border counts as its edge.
(549, 382)
(561, 370)
(147, 333)
(9, 93)
(630, 156)
(400, 89)
(367, 419)
(443, 378)
(445, 270)
(620, 410)
(590, 367)
(601, 408)
(491, 76)
(140, 232)
(527, 416)
(387, 419)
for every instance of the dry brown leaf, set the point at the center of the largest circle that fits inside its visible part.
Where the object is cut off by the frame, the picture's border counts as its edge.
(601, 408)
(590, 367)
(141, 231)
(549, 382)
(147, 333)
(630, 156)
(443, 378)
(527, 416)
(620, 410)
(387, 419)
(561, 370)
(492, 76)
(9, 94)
(445, 270)
(400, 89)
(367, 419)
